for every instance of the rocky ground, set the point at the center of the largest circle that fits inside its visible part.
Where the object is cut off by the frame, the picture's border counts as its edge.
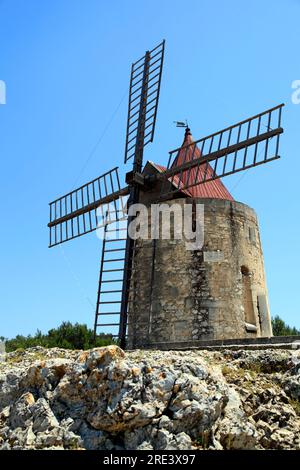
(107, 399)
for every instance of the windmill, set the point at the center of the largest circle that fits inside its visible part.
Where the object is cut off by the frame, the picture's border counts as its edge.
(244, 145)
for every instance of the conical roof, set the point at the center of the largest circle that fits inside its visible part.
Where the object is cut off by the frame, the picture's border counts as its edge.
(212, 189)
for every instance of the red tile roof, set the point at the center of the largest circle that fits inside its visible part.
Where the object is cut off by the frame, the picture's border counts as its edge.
(211, 189)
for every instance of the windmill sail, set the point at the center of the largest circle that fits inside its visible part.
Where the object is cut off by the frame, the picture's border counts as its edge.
(142, 110)
(244, 145)
(143, 100)
(87, 208)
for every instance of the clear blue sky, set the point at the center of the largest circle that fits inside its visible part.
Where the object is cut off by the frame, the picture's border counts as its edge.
(66, 66)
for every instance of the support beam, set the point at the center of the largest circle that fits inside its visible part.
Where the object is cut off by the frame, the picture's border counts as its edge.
(219, 153)
(89, 207)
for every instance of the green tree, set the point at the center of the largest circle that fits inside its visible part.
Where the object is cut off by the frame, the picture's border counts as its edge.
(280, 328)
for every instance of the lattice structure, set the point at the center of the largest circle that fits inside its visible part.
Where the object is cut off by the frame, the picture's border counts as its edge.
(244, 145)
(102, 202)
(143, 100)
(87, 208)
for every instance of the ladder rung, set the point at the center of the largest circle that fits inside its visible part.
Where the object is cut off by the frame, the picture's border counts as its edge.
(116, 230)
(107, 324)
(111, 270)
(108, 313)
(114, 249)
(112, 260)
(109, 291)
(111, 302)
(112, 280)
(116, 240)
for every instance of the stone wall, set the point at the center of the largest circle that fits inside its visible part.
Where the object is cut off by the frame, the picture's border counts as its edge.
(217, 292)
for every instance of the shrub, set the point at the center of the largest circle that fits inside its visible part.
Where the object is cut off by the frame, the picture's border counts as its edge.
(67, 336)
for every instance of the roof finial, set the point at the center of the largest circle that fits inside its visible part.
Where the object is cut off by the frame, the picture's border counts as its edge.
(187, 131)
(185, 125)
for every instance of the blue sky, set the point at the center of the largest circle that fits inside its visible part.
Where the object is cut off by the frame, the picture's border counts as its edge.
(66, 66)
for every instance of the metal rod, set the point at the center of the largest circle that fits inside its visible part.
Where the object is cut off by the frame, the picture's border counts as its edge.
(60, 213)
(88, 201)
(50, 218)
(106, 313)
(211, 143)
(228, 142)
(76, 202)
(115, 249)
(112, 270)
(112, 187)
(113, 260)
(257, 132)
(111, 291)
(267, 141)
(246, 149)
(71, 210)
(220, 140)
(238, 139)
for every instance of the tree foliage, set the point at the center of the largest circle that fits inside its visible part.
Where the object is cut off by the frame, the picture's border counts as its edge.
(67, 336)
(280, 328)
(79, 336)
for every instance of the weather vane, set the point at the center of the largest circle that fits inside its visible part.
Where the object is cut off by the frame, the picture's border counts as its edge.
(181, 124)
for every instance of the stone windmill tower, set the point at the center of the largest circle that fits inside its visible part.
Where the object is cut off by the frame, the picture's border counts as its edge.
(217, 292)
(153, 291)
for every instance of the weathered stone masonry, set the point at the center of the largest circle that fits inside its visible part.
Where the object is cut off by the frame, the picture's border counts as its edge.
(218, 292)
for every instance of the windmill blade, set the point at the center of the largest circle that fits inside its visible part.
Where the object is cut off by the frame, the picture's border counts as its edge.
(244, 145)
(87, 208)
(143, 101)
(142, 109)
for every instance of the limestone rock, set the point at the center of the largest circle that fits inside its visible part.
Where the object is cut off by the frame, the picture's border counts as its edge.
(172, 400)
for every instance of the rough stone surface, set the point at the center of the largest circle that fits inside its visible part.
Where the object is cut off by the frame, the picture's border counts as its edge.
(111, 400)
(187, 295)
